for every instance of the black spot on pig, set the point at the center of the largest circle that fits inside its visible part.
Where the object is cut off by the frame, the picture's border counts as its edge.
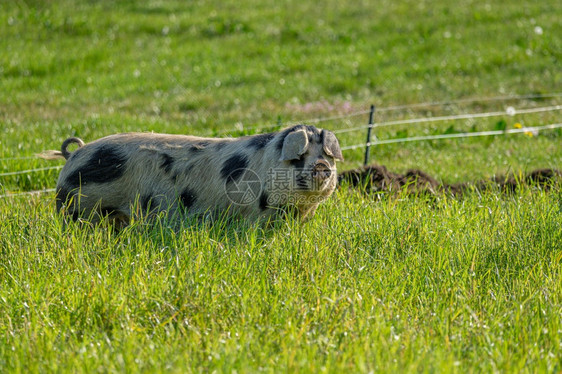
(167, 162)
(260, 141)
(234, 167)
(188, 198)
(105, 165)
(263, 201)
(298, 163)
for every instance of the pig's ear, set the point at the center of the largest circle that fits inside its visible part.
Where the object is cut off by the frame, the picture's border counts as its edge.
(294, 145)
(331, 145)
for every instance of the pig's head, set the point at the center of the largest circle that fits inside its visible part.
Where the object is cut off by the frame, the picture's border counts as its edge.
(311, 154)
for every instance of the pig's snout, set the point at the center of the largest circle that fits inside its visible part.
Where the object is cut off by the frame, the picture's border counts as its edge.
(321, 171)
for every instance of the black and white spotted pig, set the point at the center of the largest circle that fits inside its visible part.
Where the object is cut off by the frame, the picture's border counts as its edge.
(253, 176)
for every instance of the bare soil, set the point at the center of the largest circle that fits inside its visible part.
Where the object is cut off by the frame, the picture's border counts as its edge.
(376, 178)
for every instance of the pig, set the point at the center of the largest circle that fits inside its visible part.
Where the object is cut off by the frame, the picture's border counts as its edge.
(254, 177)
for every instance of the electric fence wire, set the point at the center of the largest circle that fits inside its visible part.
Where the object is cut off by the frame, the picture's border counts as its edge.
(381, 109)
(530, 130)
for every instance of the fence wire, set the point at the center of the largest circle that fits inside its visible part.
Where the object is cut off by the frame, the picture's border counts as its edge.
(27, 193)
(18, 158)
(510, 111)
(389, 109)
(363, 112)
(30, 170)
(532, 130)
(471, 100)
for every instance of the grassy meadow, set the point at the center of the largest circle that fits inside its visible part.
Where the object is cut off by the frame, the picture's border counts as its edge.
(374, 283)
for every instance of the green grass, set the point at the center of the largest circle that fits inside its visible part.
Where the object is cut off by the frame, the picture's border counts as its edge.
(372, 283)
(394, 284)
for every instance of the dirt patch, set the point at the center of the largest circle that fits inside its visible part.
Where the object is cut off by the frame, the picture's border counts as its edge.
(376, 178)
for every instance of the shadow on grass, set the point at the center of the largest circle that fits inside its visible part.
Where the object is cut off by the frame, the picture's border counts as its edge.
(164, 231)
